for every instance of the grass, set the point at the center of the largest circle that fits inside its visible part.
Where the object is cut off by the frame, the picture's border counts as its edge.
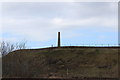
(58, 62)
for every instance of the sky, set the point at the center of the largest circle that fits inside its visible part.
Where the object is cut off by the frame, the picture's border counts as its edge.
(88, 23)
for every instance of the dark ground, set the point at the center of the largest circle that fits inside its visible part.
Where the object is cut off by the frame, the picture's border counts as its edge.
(58, 63)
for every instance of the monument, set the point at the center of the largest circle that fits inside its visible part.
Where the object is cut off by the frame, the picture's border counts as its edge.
(58, 39)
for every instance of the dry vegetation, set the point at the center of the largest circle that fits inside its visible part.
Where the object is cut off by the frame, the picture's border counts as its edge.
(59, 62)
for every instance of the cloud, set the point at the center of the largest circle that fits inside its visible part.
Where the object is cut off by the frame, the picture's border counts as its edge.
(88, 22)
(0, 19)
(32, 29)
(41, 21)
(11, 39)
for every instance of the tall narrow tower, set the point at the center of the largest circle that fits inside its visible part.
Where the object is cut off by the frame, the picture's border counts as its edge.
(58, 39)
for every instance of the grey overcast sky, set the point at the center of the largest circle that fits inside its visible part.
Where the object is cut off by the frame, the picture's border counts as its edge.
(78, 22)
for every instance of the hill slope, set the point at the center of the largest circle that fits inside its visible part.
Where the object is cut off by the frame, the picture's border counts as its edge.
(61, 62)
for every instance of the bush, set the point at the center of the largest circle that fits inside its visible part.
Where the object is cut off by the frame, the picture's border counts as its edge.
(6, 47)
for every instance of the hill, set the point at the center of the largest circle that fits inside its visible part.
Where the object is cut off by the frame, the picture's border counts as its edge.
(62, 62)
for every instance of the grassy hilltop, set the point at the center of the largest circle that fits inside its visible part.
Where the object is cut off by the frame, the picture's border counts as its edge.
(61, 62)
